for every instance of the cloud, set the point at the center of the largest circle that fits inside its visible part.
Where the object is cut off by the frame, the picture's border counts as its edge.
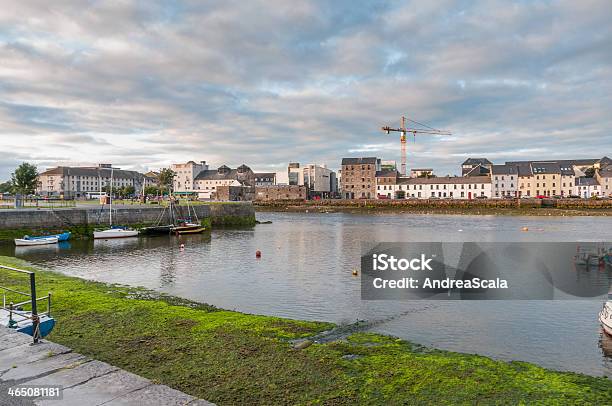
(144, 84)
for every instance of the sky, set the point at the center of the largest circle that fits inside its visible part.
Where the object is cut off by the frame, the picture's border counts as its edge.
(142, 84)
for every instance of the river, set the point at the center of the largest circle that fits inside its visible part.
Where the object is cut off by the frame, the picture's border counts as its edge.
(305, 272)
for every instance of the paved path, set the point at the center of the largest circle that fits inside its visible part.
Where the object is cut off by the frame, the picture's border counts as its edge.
(85, 381)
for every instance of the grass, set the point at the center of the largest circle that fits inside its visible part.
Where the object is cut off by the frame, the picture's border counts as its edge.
(234, 358)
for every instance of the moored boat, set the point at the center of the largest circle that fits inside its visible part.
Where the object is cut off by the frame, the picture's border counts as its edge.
(60, 237)
(156, 230)
(22, 242)
(22, 322)
(605, 317)
(115, 233)
(189, 228)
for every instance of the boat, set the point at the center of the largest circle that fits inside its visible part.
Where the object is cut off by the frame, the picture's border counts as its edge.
(157, 230)
(186, 224)
(60, 237)
(21, 321)
(32, 322)
(113, 232)
(605, 316)
(188, 228)
(23, 242)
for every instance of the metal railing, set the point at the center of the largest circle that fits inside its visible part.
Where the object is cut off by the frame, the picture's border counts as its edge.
(12, 308)
(40, 203)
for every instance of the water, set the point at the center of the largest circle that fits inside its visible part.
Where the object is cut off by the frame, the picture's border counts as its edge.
(305, 273)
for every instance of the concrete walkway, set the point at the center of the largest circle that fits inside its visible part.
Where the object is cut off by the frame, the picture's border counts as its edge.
(84, 381)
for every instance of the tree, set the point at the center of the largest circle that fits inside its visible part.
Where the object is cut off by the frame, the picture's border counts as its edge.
(166, 179)
(151, 190)
(25, 179)
(6, 187)
(128, 191)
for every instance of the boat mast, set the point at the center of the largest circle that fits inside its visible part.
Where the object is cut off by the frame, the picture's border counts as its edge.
(110, 211)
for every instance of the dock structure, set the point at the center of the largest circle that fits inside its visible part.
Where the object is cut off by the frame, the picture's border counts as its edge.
(84, 381)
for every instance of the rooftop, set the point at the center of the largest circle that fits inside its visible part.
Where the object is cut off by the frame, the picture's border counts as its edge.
(477, 161)
(386, 173)
(93, 172)
(504, 170)
(444, 179)
(583, 181)
(359, 161)
(478, 170)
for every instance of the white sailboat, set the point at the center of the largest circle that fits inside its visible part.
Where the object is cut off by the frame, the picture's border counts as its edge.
(113, 232)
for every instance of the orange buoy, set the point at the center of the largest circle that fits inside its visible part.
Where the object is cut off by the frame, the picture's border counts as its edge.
(525, 229)
(354, 272)
(258, 254)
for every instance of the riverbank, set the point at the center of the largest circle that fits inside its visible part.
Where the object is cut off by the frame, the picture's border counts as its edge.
(493, 207)
(82, 221)
(234, 358)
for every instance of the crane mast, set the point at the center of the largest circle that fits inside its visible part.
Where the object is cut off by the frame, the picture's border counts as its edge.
(403, 130)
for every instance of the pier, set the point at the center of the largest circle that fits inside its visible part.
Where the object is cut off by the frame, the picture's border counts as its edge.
(81, 221)
(83, 380)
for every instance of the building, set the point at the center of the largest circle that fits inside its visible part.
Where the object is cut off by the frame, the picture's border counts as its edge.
(184, 181)
(234, 193)
(553, 177)
(207, 181)
(359, 177)
(587, 187)
(388, 165)
(421, 172)
(445, 187)
(280, 192)
(604, 178)
(293, 175)
(86, 182)
(386, 181)
(504, 180)
(476, 167)
(320, 181)
(151, 178)
(265, 178)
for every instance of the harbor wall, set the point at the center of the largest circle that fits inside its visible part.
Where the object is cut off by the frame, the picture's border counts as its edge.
(442, 203)
(83, 220)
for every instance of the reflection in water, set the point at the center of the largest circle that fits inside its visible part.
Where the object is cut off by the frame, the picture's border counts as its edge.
(305, 272)
(605, 343)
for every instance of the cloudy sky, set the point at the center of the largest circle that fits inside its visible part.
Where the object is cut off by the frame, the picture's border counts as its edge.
(144, 84)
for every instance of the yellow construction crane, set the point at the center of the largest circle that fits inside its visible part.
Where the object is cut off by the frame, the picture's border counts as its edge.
(403, 130)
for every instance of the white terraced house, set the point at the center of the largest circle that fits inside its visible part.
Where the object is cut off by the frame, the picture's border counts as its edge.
(504, 180)
(447, 187)
(587, 187)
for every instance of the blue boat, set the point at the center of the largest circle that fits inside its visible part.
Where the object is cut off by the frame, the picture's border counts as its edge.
(60, 237)
(22, 322)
